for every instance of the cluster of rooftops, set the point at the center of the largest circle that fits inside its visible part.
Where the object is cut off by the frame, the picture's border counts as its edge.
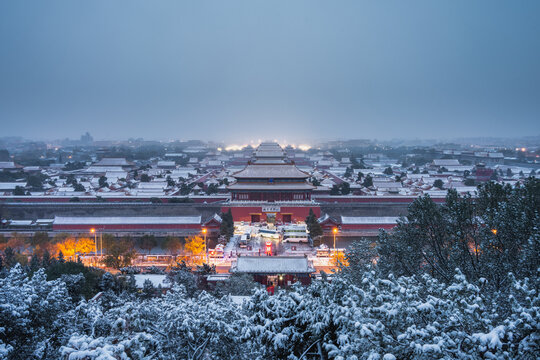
(269, 168)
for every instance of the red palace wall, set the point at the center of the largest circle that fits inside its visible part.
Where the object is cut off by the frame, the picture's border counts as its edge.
(370, 199)
(216, 198)
(298, 213)
(125, 199)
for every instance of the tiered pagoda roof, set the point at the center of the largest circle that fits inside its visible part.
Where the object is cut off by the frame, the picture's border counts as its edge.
(269, 153)
(271, 171)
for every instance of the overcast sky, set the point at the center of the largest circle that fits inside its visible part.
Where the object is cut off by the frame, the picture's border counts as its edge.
(295, 70)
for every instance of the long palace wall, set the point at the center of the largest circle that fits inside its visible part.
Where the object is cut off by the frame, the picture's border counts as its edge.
(364, 209)
(33, 211)
(280, 212)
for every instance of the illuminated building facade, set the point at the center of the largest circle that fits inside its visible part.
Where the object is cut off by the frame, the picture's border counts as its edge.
(271, 188)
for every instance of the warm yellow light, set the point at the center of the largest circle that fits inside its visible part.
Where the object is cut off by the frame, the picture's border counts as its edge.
(494, 231)
(335, 230)
(304, 147)
(235, 147)
(92, 230)
(523, 149)
(204, 230)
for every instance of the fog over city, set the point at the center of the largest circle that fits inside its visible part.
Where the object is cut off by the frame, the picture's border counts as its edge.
(252, 180)
(241, 70)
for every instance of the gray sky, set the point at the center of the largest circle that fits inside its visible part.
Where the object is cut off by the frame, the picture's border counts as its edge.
(240, 70)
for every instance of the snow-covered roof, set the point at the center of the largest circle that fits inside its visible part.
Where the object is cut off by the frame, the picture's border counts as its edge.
(116, 174)
(364, 220)
(215, 217)
(214, 163)
(32, 168)
(280, 186)
(11, 185)
(44, 221)
(387, 184)
(164, 163)
(7, 165)
(152, 185)
(20, 222)
(440, 193)
(102, 169)
(113, 162)
(182, 172)
(273, 265)
(466, 189)
(148, 192)
(288, 171)
(446, 162)
(127, 220)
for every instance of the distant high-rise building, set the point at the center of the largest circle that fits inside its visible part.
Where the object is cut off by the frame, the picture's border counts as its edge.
(87, 138)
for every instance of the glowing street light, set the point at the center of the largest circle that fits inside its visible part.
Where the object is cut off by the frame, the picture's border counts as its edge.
(494, 231)
(204, 231)
(335, 231)
(93, 231)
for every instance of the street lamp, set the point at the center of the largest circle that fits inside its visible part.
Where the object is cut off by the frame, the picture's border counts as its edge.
(204, 231)
(93, 231)
(335, 231)
(101, 242)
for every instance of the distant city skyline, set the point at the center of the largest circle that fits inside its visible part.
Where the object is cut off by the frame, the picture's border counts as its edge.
(532, 141)
(237, 71)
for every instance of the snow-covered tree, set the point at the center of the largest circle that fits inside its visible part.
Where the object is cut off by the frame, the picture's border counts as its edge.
(486, 237)
(33, 315)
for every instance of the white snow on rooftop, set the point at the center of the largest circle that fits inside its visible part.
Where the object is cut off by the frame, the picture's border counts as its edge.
(273, 265)
(271, 171)
(369, 219)
(137, 220)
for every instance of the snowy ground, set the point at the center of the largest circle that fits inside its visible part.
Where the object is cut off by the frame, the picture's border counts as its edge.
(156, 280)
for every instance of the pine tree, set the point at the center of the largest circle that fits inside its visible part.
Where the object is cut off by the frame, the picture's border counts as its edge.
(313, 225)
(148, 289)
(368, 181)
(227, 224)
(345, 188)
(34, 263)
(46, 259)
(9, 257)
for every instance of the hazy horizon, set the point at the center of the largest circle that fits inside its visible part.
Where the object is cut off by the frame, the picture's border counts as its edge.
(237, 71)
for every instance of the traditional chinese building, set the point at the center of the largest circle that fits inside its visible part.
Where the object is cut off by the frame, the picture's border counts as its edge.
(271, 188)
(276, 270)
(270, 177)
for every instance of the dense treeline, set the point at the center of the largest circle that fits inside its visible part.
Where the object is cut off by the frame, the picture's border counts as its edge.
(487, 237)
(454, 281)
